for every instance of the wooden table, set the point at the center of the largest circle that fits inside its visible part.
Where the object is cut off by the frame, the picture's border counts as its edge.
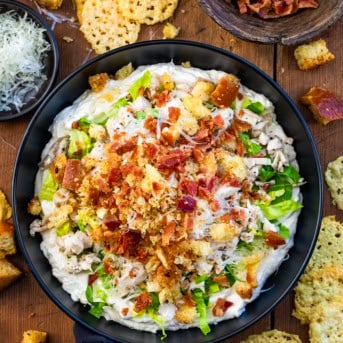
(24, 305)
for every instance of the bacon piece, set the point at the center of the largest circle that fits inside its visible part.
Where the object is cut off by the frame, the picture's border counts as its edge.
(240, 148)
(92, 278)
(226, 91)
(142, 302)
(114, 176)
(103, 186)
(188, 221)
(203, 135)
(72, 175)
(112, 223)
(221, 307)
(222, 280)
(324, 104)
(198, 155)
(125, 311)
(239, 126)
(219, 121)
(173, 114)
(123, 147)
(129, 242)
(188, 186)
(150, 124)
(168, 232)
(273, 239)
(284, 7)
(161, 98)
(186, 204)
(173, 159)
(151, 151)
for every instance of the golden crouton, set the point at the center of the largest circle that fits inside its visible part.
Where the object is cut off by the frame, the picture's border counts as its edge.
(170, 31)
(124, 72)
(188, 123)
(324, 104)
(34, 207)
(223, 232)
(203, 89)
(51, 4)
(8, 273)
(243, 289)
(186, 314)
(312, 55)
(153, 182)
(7, 244)
(210, 164)
(98, 81)
(233, 166)
(97, 132)
(33, 336)
(167, 82)
(200, 248)
(195, 106)
(5, 208)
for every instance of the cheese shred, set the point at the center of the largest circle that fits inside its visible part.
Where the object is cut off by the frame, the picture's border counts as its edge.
(22, 52)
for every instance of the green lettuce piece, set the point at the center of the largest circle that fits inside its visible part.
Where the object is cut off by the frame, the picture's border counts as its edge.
(266, 173)
(251, 148)
(63, 229)
(245, 103)
(84, 219)
(280, 209)
(256, 107)
(230, 274)
(211, 286)
(143, 82)
(80, 144)
(201, 307)
(284, 231)
(291, 174)
(140, 115)
(49, 187)
(97, 308)
(245, 246)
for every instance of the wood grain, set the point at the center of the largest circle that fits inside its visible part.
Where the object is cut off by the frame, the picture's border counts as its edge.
(24, 305)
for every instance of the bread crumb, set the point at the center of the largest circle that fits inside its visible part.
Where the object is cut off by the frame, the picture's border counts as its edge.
(68, 39)
(170, 31)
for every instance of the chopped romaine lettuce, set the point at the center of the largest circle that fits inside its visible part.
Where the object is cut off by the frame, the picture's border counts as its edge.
(230, 274)
(256, 107)
(291, 174)
(280, 209)
(251, 148)
(143, 82)
(63, 229)
(49, 187)
(284, 231)
(266, 173)
(80, 144)
(96, 307)
(245, 102)
(199, 297)
(140, 115)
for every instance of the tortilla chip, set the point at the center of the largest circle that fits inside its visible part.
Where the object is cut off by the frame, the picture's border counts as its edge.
(104, 26)
(273, 336)
(334, 179)
(148, 12)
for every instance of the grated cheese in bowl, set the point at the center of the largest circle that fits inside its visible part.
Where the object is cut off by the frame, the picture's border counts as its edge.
(22, 52)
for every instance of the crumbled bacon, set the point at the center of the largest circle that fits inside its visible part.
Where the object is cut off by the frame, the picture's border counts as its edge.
(161, 98)
(186, 204)
(239, 126)
(173, 114)
(123, 147)
(114, 176)
(150, 124)
(189, 187)
(221, 307)
(125, 311)
(151, 151)
(112, 223)
(222, 280)
(92, 278)
(218, 121)
(198, 155)
(273, 239)
(168, 232)
(142, 302)
(173, 159)
(72, 175)
(188, 221)
(129, 242)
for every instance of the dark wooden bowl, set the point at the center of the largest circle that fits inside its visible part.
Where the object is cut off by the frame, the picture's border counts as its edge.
(287, 30)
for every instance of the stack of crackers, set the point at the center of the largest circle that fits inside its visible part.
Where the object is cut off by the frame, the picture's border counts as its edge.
(108, 24)
(319, 293)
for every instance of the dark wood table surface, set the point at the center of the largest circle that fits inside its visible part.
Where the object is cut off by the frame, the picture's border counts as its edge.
(24, 305)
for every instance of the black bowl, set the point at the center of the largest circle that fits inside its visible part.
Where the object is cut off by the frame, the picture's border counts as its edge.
(50, 61)
(202, 56)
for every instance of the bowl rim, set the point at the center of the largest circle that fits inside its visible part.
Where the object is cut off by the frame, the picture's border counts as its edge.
(229, 54)
(207, 6)
(54, 48)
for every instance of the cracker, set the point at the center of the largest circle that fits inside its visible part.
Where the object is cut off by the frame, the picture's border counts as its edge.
(5, 208)
(327, 323)
(273, 336)
(329, 247)
(334, 179)
(148, 12)
(105, 28)
(8, 273)
(319, 286)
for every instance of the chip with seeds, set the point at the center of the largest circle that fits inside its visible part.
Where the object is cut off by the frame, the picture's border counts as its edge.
(327, 323)
(148, 12)
(329, 247)
(334, 179)
(104, 26)
(318, 286)
(273, 336)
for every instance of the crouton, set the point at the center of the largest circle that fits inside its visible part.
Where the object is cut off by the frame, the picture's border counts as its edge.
(188, 123)
(171, 134)
(7, 244)
(226, 91)
(34, 207)
(33, 336)
(312, 55)
(153, 182)
(167, 82)
(210, 164)
(58, 167)
(170, 31)
(243, 289)
(50, 4)
(324, 104)
(203, 89)
(124, 72)
(223, 232)
(97, 132)
(98, 81)
(233, 166)
(195, 106)
(200, 248)
(5, 208)
(186, 314)
(8, 273)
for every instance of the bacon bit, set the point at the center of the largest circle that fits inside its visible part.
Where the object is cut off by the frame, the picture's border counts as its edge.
(215, 205)
(92, 278)
(125, 311)
(225, 218)
(161, 98)
(239, 126)
(188, 221)
(173, 114)
(202, 135)
(168, 232)
(173, 159)
(221, 307)
(189, 187)
(72, 175)
(188, 300)
(128, 168)
(212, 183)
(126, 146)
(240, 96)
(241, 113)
(222, 280)
(129, 242)
(150, 124)
(273, 239)
(151, 151)
(219, 121)
(133, 273)
(198, 155)
(238, 215)
(240, 148)
(235, 183)
(103, 186)
(75, 125)
(114, 176)
(108, 267)
(142, 302)
(112, 223)
(141, 254)
(225, 92)
(157, 187)
(186, 204)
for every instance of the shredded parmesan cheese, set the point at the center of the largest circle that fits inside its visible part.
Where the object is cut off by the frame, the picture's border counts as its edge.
(22, 50)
